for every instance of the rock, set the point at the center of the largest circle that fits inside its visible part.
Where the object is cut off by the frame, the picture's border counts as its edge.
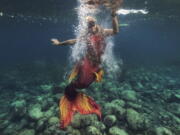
(53, 121)
(41, 125)
(91, 130)
(57, 90)
(125, 86)
(114, 109)
(47, 103)
(53, 130)
(27, 132)
(81, 121)
(57, 97)
(3, 115)
(110, 120)
(19, 108)
(31, 124)
(175, 109)
(4, 124)
(48, 113)
(44, 105)
(129, 95)
(118, 102)
(63, 85)
(77, 121)
(23, 123)
(162, 131)
(134, 105)
(176, 119)
(139, 85)
(35, 112)
(39, 99)
(108, 85)
(99, 125)
(72, 131)
(10, 129)
(174, 98)
(46, 87)
(117, 131)
(135, 120)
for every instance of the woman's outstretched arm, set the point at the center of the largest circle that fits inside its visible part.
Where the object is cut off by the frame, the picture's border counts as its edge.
(67, 42)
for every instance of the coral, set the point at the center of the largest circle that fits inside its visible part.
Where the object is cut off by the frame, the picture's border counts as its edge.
(117, 131)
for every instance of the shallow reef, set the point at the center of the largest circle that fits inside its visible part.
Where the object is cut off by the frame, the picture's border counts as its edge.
(145, 102)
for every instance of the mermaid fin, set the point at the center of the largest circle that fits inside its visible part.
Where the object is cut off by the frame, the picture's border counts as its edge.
(73, 74)
(86, 105)
(82, 104)
(66, 111)
(99, 75)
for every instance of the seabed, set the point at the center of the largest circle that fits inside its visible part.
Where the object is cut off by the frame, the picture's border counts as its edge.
(142, 100)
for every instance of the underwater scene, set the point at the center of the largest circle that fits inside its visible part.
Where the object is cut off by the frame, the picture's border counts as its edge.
(90, 67)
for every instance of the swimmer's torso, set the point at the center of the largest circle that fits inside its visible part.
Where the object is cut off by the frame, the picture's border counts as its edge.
(95, 47)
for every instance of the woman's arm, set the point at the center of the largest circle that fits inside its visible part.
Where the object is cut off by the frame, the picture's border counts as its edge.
(114, 5)
(115, 26)
(67, 42)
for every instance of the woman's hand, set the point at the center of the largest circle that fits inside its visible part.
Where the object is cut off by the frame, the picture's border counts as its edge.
(55, 41)
(113, 4)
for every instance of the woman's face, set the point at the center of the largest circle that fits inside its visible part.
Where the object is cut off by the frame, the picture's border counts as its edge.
(91, 27)
(91, 24)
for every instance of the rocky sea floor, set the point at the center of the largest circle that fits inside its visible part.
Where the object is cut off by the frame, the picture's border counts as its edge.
(142, 101)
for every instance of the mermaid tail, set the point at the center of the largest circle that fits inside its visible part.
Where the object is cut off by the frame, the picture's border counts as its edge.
(82, 104)
(74, 73)
(82, 76)
(66, 111)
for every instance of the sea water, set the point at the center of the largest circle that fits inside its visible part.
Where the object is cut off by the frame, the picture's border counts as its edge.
(140, 91)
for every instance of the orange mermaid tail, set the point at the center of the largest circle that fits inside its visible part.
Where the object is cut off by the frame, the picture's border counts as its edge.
(82, 104)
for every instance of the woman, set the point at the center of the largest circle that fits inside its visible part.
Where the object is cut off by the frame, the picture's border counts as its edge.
(86, 71)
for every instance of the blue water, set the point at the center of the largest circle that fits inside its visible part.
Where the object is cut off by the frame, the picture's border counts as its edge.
(145, 40)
